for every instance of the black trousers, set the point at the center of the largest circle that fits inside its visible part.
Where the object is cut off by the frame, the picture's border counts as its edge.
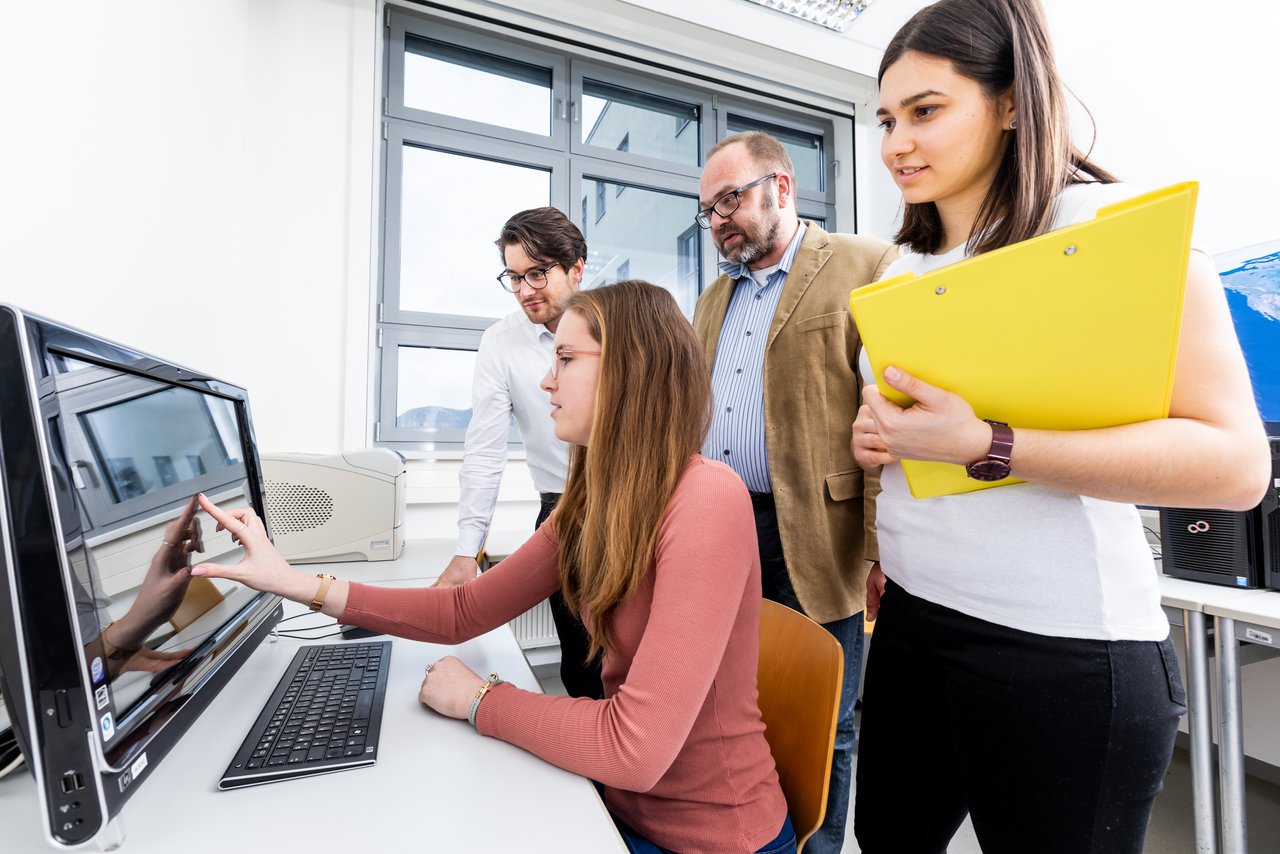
(581, 678)
(1052, 745)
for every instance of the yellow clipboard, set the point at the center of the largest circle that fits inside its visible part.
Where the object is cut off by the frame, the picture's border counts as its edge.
(1072, 330)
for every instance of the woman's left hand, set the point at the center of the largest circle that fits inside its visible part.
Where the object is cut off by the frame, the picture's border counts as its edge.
(939, 426)
(448, 687)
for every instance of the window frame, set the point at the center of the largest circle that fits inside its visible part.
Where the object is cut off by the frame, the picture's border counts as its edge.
(484, 43)
(564, 156)
(400, 134)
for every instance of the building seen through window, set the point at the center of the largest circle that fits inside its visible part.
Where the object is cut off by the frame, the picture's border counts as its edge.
(480, 124)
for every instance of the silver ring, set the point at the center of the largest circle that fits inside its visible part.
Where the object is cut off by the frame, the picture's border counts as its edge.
(169, 544)
(429, 666)
(240, 530)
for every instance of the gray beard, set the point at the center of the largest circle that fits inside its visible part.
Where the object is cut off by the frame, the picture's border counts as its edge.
(750, 250)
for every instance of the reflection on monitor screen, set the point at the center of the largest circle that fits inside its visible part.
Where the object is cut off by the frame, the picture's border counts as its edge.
(141, 613)
(109, 647)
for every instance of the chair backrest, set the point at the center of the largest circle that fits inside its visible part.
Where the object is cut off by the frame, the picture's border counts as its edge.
(801, 672)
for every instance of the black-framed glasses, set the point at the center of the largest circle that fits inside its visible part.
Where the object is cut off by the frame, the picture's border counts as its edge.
(537, 279)
(728, 203)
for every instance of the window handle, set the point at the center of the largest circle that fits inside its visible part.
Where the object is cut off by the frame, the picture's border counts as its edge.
(573, 107)
(75, 474)
(560, 111)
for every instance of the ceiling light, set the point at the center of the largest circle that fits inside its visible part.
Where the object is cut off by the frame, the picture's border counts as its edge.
(833, 14)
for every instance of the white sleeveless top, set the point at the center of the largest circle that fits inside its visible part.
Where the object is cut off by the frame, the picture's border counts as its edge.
(1029, 557)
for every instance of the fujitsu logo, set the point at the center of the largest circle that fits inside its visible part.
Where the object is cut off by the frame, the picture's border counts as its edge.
(1199, 526)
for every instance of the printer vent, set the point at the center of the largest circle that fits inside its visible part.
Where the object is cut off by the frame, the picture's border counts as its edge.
(297, 507)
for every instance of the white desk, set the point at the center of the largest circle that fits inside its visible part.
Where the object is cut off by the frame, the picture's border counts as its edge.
(1190, 600)
(437, 786)
(1255, 618)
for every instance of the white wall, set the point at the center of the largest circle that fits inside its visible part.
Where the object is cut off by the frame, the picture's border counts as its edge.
(196, 179)
(1182, 91)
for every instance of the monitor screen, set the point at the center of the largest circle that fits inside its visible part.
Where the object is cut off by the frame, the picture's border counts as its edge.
(108, 646)
(1252, 280)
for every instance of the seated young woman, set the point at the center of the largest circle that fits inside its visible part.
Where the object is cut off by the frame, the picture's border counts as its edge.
(655, 547)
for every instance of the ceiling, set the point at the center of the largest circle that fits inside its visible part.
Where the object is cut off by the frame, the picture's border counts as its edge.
(1076, 26)
(857, 49)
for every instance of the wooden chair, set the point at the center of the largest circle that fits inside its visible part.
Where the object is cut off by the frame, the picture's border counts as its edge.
(801, 672)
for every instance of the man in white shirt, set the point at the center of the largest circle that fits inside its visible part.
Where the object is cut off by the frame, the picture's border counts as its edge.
(544, 256)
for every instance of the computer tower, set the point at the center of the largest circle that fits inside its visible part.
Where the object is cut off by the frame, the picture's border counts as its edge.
(1239, 549)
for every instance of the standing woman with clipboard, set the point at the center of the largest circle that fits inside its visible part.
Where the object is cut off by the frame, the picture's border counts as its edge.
(1022, 671)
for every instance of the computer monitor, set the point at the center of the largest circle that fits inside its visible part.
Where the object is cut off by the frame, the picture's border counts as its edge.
(109, 649)
(1251, 277)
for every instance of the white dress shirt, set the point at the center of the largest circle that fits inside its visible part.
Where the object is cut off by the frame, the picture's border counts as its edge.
(514, 357)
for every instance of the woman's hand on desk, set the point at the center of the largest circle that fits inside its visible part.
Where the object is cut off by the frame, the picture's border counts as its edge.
(939, 426)
(449, 687)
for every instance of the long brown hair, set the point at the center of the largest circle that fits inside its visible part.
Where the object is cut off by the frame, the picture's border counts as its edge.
(652, 410)
(1000, 44)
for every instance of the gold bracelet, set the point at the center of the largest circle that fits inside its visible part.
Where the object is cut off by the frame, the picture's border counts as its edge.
(484, 689)
(325, 580)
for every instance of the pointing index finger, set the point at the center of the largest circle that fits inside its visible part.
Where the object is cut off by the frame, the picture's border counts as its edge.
(222, 517)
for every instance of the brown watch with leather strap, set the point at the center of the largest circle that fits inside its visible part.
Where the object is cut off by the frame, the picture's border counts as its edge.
(995, 466)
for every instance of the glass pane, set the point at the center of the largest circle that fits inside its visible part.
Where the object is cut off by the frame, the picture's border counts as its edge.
(449, 223)
(643, 234)
(434, 388)
(805, 150)
(626, 120)
(481, 87)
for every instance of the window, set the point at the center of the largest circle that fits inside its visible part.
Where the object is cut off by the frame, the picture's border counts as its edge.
(477, 125)
(625, 145)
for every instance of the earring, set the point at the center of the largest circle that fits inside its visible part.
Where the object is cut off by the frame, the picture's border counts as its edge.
(1013, 124)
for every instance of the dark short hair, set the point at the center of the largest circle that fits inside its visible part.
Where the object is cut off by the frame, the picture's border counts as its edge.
(545, 234)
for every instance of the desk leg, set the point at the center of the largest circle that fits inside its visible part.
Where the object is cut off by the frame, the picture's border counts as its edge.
(1200, 728)
(1230, 739)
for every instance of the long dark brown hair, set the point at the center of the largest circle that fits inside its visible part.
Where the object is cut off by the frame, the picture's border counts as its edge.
(652, 410)
(1003, 45)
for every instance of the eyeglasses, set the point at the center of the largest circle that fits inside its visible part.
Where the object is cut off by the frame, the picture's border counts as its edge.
(728, 203)
(537, 279)
(564, 354)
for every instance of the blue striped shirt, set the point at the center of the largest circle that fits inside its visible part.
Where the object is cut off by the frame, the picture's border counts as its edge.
(737, 434)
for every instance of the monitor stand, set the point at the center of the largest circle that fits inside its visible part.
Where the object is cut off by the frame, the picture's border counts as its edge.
(112, 836)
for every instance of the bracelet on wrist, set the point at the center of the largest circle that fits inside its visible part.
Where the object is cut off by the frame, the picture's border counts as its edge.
(484, 689)
(325, 580)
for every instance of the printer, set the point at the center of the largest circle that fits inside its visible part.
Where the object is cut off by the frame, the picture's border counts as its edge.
(325, 508)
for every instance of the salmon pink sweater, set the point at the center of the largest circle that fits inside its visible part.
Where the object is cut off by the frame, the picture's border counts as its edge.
(677, 741)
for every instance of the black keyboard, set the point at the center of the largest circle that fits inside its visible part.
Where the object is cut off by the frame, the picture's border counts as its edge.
(324, 716)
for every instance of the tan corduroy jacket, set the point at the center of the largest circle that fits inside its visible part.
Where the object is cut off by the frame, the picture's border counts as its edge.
(826, 515)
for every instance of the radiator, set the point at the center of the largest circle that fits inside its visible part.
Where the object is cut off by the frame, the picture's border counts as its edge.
(535, 627)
